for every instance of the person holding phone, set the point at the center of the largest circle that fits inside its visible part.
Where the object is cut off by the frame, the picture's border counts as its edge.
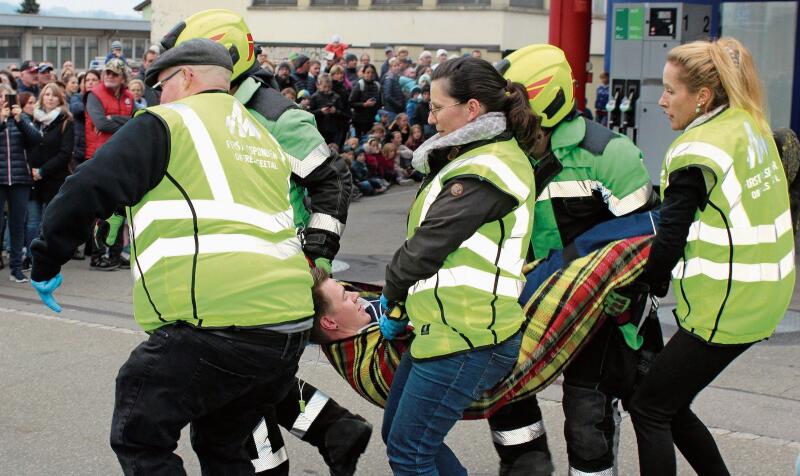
(365, 100)
(17, 134)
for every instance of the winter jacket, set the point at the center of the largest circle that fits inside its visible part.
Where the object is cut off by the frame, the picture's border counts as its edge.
(362, 91)
(393, 98)
(344, 96)
(100, 128)
(332, 126)
(301, 81)
(15, 138)
(52, 157)
(77, 108)
(360, 171)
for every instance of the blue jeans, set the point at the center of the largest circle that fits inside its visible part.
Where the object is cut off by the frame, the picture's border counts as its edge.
(17, 198)
(428, 397)
(33, 225)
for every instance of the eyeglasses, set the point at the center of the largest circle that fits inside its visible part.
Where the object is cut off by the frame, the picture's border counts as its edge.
(435, 110)
(160, 84)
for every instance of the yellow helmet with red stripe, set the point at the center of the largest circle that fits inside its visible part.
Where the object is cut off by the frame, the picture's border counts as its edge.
(223, 26)
(547, 76)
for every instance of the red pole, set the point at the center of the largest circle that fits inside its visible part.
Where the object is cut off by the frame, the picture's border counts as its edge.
(570, 30)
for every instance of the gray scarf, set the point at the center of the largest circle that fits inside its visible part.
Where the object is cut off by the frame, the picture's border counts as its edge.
(483, 127)
(46, 117)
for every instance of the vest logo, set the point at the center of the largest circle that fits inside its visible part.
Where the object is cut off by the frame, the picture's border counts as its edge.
(426, 329)
(240, 124)
(756, 147)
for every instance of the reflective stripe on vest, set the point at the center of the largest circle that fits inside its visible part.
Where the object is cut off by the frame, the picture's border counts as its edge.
(746, 273)
(753, 235)
(585, 188)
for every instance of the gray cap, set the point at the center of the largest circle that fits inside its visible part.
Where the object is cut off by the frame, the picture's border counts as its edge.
(198, 51)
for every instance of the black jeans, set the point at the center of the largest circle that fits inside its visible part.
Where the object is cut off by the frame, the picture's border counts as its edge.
(222, 386)
(660, 410)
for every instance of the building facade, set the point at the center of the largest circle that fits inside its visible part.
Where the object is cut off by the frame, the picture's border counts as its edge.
(58, 39)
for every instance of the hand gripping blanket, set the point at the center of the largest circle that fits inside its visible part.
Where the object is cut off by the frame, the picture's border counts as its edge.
(561, 316)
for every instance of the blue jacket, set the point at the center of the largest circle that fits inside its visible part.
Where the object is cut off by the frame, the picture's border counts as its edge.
(77, 108)
(15, 138)
(393, 98)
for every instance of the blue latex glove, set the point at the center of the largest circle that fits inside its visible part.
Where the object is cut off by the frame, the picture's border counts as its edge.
(46, 289)
(393, 320)
(391, 328)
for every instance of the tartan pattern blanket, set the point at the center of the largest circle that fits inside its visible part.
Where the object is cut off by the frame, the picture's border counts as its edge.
(560, 317)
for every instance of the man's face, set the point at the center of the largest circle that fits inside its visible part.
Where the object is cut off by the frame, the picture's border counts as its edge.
(352, 63)
(111, 79)
(117, 52)
(148, 59)
(29, 78)
(345, 315)
(364, 60)
(45, 78)
(426, 60)
(261, 58)
(283, 72)
(172, 84)
(314, 69)
(442, 58)
(402, 55)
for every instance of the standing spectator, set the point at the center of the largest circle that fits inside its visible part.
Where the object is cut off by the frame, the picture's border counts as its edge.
(365, 99)
(441, 55)
(601, 98)
(339, 86)
(150, 95)
(8, 79)
(29, 78)
(365, 60)
(350, 70)
(45, 75)
(422, 111)
(314, 67)
(67, 68)
(27, 101)
(116, 52)
(300, 75)
(326, 106)
(14, 69)
(401, 125)
(136, 87)
(71, 86)
(393, 99)
(263, 59)
(283, 76)
(389, 52)
(77, 107)
(49, 161)
(16, 134)
(109, 106)
(477, 54)
(425, 59)
(402, 55)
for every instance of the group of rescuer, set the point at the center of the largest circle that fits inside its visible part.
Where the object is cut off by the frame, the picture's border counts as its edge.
(234, 195)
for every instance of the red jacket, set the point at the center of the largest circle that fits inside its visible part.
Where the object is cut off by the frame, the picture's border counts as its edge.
(113, 106)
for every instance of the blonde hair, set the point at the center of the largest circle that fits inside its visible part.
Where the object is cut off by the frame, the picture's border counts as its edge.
(387, 148)
(725, 67)
(59, 94)
(136, 81)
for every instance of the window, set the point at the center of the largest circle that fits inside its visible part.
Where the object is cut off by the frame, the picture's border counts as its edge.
(65, 47)
(91, 49)
(397, 2)
(463, 2)
(10, 47)
(138, 48)
(275, 2)
(79, 58)
(38, 49)
(348, 3)
(528, 4)
(127, 48)
(51, 49)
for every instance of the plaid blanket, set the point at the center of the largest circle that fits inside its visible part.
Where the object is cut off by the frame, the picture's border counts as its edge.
(560, 317)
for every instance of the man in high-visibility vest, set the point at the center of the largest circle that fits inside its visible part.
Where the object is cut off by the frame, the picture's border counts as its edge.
(221, 282)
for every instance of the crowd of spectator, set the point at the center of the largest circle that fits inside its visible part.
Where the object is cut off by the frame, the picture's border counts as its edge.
(374, 116)
(51, 121)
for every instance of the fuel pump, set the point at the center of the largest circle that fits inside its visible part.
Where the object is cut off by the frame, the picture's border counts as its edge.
(612, 106)
(628, 109)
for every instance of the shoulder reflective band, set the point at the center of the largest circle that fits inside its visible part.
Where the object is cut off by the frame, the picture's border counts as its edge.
(310, 162)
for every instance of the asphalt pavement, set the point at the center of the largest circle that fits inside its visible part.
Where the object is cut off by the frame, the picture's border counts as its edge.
(57, 377)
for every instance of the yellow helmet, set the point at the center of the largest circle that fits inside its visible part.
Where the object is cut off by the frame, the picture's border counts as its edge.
(223, 26)
(547, 76)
